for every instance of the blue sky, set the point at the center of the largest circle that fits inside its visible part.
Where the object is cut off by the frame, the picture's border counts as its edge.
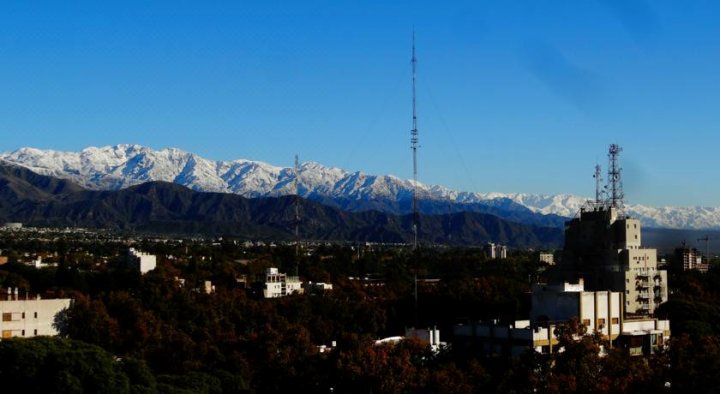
(513, 96)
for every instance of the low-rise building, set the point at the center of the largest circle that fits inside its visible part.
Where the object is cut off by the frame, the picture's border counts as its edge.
(27, 318)
(276, 284)
(601, 312)
(141, 261)
(547, 258)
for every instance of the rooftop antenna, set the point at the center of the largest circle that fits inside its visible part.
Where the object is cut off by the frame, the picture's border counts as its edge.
(615, 177)
(297, 217)
(707, 240)
(598, 184)
(414, 147)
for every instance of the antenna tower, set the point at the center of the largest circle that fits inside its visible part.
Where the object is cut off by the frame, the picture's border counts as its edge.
(615, 177)
(598, 184)
(297, 217)
(414, 146)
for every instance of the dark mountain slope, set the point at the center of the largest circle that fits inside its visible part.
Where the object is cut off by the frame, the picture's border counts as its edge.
(169, 208)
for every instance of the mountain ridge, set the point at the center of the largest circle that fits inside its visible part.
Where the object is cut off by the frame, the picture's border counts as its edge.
(120, 166)
(167, 207)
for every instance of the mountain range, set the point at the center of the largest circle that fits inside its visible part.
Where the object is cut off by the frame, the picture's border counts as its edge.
(162, 207)
(121, 166)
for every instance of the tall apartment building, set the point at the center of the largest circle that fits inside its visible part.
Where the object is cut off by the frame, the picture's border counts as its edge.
(605, 249)
(495, 251)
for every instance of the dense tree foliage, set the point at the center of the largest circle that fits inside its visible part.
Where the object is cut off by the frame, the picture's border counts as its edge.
(160, 332)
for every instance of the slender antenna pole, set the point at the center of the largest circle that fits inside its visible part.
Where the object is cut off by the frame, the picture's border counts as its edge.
(297, 217)
(414, 146)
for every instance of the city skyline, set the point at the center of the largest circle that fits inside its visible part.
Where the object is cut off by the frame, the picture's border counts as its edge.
(512, 96)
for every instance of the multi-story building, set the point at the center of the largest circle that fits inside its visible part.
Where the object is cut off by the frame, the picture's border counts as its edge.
(689, 259)
(276, 284)
(600, 312)
(495, 251)
(605, 249)
(605, 278)
(29, 317)
(547, 258)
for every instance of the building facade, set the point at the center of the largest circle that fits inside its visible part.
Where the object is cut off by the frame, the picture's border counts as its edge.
(30, 318)
(276, 284)
(141, 261)
(495, 251)
(605, 249)
(600, 312)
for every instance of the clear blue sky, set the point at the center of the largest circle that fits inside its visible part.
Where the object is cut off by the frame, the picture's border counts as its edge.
(513, 96)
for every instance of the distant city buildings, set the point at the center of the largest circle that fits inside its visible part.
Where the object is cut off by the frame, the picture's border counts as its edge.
(495, 251)
(687, 258)
(547, 258)
(27, 318)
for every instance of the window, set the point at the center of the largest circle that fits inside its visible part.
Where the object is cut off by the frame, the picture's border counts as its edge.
(601, 322)
(23, 332)
(615, 320)
(35, 330)
(586, 322)
(23, 315)
(7, 316)
(6, 333)
(36, 315)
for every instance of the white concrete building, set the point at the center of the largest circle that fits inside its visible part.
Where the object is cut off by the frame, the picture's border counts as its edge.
(143, 262)
(276, 284)
(599, 311)
(29, 318)
(495, 251)
(547, 258)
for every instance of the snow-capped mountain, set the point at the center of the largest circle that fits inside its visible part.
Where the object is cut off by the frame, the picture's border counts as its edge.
(121, 166)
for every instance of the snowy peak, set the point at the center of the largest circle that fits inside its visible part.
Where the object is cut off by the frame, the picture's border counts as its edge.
(120, 166)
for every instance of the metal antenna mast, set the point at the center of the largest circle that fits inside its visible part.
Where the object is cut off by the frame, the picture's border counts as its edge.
(615, 178)
(707, 240)
(414, 146)
(297, 217)
(598, 184)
